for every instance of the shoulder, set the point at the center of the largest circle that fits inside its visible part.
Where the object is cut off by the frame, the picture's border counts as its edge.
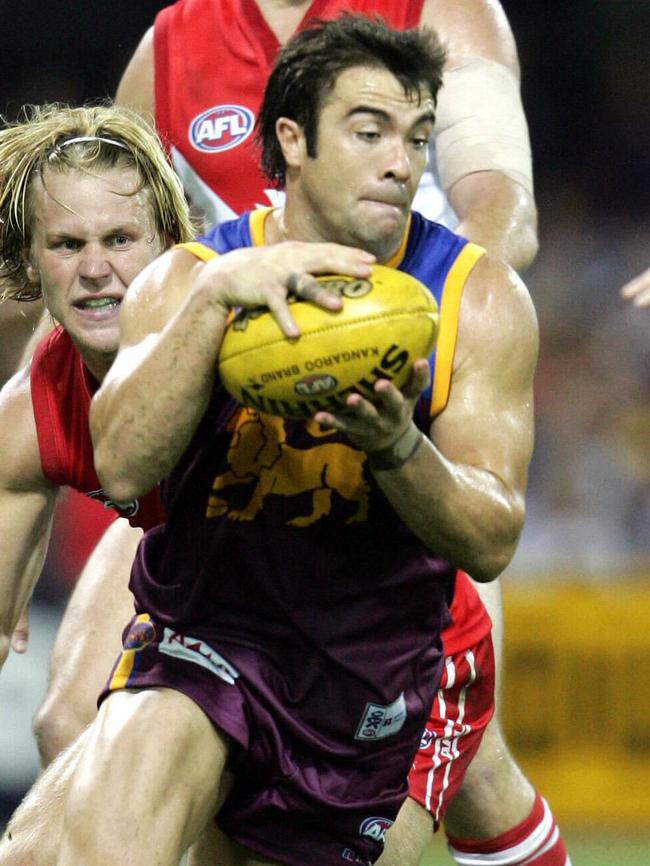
(477, 28)
(20, 464)
(136, 87)
(497, 317)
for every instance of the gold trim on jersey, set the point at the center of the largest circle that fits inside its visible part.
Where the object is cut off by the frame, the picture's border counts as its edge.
(452, 291)
(395, 260)
(199, 250)
(256, 225)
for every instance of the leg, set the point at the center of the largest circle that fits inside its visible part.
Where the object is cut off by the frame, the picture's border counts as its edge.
(151, 773)
(460, 712)
(497, 808)
(33, 834)
(80, 661)
(407, 839)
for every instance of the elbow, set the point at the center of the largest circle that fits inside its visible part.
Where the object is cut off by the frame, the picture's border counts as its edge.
(497, 554)
(113, 472)
(527, 248)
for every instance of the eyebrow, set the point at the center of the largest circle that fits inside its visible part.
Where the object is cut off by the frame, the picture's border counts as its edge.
(426, 116)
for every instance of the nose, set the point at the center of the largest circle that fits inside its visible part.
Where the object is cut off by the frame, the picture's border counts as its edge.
(398, 164)
(94, 264)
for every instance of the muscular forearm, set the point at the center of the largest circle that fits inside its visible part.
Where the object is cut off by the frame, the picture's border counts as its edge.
(145, 414)
(461, 512)
(499, 214)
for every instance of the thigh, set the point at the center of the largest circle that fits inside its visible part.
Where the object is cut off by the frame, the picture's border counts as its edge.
(89, 637)
(33, 834)
(150, 773)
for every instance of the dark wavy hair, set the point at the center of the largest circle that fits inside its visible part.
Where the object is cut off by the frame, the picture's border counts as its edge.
(308, 66)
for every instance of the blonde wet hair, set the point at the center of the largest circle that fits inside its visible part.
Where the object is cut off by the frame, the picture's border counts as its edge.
(89, 138)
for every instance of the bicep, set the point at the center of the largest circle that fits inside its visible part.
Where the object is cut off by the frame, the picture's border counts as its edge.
(488, 421)
(136, 87)
(472, 28)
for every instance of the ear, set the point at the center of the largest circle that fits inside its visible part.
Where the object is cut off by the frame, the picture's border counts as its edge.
(32, 271)
(291, 140)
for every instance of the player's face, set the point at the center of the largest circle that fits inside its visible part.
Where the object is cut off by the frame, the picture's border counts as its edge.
(90, 237)
(371, 152)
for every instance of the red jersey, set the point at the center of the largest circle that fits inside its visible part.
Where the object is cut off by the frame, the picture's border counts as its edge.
(62, 388)
(207, 118)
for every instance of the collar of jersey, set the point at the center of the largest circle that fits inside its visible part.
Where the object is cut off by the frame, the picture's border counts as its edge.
(258, 221)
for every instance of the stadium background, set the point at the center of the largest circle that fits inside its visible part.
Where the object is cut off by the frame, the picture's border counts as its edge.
(577, 684)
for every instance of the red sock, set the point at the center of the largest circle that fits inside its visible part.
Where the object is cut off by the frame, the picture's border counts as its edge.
(534, 842)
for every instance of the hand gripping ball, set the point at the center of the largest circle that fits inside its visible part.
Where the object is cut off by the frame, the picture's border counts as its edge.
(386, 322)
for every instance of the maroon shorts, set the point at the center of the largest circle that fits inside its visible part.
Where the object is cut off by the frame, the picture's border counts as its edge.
(462, 708)
(320, 773)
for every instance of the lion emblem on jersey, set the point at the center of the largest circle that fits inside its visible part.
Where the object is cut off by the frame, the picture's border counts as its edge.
(260, 459)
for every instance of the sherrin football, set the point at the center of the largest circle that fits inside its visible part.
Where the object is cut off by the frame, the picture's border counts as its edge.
(386, 322)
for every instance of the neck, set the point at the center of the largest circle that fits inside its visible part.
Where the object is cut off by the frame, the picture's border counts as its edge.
(283, 16)
(291, 224)
(97, 363)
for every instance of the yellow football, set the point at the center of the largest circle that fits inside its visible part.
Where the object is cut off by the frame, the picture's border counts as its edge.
(386, 322)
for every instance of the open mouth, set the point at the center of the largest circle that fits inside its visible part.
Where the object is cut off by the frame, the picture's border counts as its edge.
(97, 303)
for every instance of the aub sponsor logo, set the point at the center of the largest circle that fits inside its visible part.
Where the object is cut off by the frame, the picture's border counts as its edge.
(221, 128)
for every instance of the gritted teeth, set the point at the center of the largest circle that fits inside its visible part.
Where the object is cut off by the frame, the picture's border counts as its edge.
(97, 303)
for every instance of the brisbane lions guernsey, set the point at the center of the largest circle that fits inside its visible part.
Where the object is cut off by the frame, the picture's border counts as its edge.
(212, 59)
(61, 389)
(279, 539)
(470, 621)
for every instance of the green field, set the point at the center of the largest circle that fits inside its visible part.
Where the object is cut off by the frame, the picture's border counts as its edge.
(586, 847)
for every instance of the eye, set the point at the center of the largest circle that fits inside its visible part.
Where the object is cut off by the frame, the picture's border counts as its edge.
(420, 143)
(120, 241)
(368, 134)
(66, 245)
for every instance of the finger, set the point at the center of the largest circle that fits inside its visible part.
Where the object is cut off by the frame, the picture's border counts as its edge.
(307, 287)
(638, 284)
(20, 637)
(279, 307)
(642, 298)
(419, 379)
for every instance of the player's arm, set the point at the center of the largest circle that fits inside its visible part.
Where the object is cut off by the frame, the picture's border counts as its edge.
(26, 506)
(462, 490)
(172, 324)
(482, 142)
(136, 87)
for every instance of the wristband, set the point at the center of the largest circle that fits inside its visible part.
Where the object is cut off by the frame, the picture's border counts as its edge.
(399, 452)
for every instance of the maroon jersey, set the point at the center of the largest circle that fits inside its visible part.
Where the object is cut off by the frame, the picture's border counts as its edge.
(212, 59)
(62, 388)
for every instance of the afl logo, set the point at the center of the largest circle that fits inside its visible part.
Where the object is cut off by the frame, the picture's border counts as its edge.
(312, 386)
(221, 127)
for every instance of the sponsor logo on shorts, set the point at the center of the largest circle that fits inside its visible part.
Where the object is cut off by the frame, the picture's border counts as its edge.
(191, 649)
(378, 722)
(375, 828)
(351, 856)
(221, 127)
(139, 636)
(425, 739)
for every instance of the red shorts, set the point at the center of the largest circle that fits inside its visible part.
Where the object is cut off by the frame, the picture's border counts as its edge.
(462, 708)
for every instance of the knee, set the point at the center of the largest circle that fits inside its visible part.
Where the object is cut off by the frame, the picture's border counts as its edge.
(56, 725)
(13, 852)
